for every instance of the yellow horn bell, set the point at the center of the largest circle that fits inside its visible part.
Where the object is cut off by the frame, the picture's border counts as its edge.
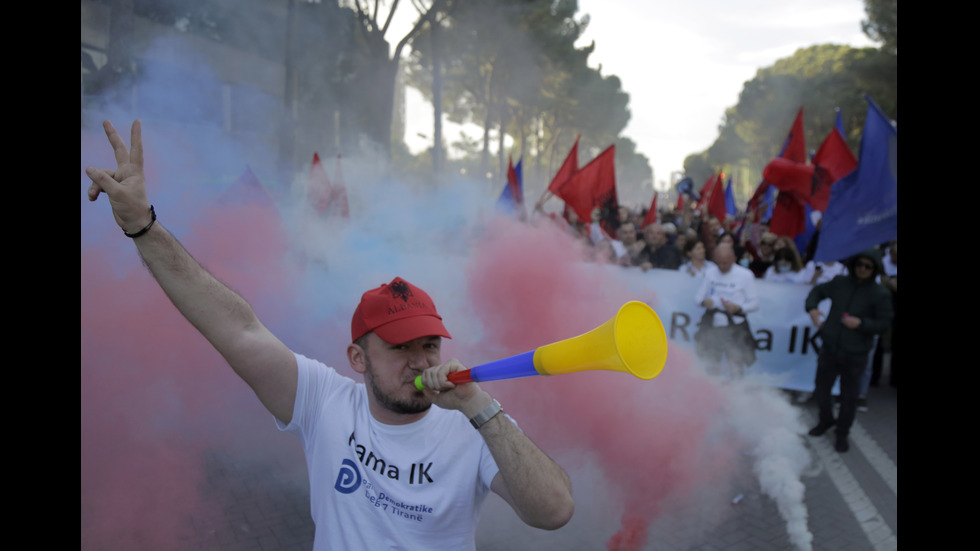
(633, 341)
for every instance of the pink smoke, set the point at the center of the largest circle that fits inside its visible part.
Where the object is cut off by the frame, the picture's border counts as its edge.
(155, 396)
(651, 437)
(633, 535)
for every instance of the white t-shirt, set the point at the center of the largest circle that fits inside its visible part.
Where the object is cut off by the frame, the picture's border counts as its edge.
(375, 486)
(773, 274)
(688, 268)
(891, 268)
(597, 234)
(827, 272)
(737, 286)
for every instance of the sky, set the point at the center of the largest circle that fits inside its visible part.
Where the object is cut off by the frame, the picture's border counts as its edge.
(684, 62)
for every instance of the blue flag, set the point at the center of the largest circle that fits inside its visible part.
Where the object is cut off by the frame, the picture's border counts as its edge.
(686, 187)
(863, 208)
(512, 197)
(770, 200)
(802, 241)
(730, 199)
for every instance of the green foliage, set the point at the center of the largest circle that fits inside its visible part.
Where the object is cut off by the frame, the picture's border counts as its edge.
(634, 178)
(697, 167)
(820, 79)
(882, 23)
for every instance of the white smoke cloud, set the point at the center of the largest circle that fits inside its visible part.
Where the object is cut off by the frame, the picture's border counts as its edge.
(771, 430)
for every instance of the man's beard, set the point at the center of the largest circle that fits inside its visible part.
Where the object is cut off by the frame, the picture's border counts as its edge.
(418, 403)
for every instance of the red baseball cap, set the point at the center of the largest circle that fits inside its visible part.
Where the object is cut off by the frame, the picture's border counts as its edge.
(397, 312)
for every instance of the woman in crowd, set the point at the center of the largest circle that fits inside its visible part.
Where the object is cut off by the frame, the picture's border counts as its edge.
(786, 267)
(696, 263)
(783, 242)
(726, 238)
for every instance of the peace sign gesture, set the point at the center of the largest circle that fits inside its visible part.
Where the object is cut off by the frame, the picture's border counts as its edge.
(125, 186)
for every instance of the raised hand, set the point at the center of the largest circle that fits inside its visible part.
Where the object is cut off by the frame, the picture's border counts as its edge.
(125, 186)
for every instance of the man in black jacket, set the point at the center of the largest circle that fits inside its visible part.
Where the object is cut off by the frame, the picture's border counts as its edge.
(659, 252)
(860, 309)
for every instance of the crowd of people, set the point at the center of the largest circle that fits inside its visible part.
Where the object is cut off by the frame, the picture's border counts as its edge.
(685, 239)
(729, 255)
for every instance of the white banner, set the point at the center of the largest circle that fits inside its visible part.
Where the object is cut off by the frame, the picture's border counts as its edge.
(786, 346)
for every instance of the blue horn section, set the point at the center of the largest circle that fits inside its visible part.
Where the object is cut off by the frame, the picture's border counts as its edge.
(521, 365)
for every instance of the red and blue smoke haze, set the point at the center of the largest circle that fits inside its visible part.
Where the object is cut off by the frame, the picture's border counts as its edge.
(156, 399)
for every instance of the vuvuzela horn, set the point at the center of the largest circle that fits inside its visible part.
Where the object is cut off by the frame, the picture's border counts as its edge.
(633, 341)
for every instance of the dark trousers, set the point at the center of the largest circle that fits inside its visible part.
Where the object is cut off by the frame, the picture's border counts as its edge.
(887, 343)
(829, 368)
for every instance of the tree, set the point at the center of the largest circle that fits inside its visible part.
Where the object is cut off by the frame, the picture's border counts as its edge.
(819, 79)
(377, 68)
(512, 67)
(882, 23)
(634, 177)
(119, 69)
(494, 63)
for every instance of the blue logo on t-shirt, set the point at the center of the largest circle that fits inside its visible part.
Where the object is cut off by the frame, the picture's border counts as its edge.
(349, 477)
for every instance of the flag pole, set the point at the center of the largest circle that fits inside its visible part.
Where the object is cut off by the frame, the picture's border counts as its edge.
(541, 201)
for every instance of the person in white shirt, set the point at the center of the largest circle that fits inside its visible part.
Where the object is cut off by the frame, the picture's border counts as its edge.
(815, 273)
(728, 294)
(697, 265)
(597, 234)
(392, 466)
(889, 263)
(632, 245)
(786, 268)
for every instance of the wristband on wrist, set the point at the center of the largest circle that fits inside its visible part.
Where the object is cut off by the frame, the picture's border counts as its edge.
(153, 218)
(486, 415)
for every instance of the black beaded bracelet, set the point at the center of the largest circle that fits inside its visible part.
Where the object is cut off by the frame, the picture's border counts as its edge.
(153, 218)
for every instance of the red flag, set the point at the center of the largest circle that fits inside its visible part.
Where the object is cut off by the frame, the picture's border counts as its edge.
(713, 195)
(319, 186)
(832, 162)
(756, 206)
(651, 216)
(704, 191)
(514, 184)
(789, 214)
(340, 191)
(324, 195)
(795, 147)
(811, 184)
(248, 189)
(568, 169)
(680, 202)
(789, 177)
(594, 186)
(716, 200)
